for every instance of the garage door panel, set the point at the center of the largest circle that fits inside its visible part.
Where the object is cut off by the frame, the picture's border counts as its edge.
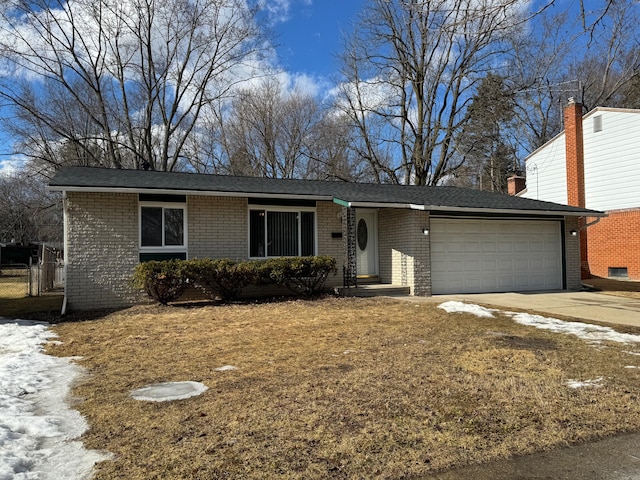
(473, 256)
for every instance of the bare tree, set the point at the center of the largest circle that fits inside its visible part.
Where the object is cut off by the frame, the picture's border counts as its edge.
(266, 132)
(410, 74)
(30, 212)
(119, 84)
(597, 65)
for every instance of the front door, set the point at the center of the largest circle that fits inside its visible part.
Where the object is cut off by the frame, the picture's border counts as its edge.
(367, 242)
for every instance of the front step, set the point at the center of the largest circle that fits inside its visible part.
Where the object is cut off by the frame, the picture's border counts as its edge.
(374, 290)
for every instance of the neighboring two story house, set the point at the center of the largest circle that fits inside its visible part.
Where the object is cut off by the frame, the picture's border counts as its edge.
(595, 164)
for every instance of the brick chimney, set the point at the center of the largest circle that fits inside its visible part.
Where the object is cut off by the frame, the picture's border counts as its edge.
(575, 153)
(574, 148)
(515, 184)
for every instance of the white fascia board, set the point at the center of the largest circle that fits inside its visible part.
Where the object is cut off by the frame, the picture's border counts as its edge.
(205, 193)
(503, 211)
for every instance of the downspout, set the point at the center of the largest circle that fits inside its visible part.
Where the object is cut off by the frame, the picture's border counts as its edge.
(66, 250)
(586, 225)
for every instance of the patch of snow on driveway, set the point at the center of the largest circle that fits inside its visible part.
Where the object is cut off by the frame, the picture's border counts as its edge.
(37, 429)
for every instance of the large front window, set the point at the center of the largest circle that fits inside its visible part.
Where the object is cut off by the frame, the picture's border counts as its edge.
(281, 233)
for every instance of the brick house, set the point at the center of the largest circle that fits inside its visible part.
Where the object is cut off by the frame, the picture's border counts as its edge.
(595, 164)
(426, 240)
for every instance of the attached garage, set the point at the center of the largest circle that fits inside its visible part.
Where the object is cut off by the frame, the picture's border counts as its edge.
(495, 255)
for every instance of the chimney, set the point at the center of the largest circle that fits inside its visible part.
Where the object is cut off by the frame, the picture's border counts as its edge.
(515, 184)
(574, 148)
(574, 153)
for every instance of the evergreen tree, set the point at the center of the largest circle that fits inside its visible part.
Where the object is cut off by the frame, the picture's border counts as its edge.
(486, 156)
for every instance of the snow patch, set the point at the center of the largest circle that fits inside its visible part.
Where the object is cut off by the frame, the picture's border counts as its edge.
(225, 368)
(595, 383)
(461, 307)
(585, 331)
(168, 391)
(37, 429)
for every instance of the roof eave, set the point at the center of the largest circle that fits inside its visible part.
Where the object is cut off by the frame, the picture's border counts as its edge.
(167, 191)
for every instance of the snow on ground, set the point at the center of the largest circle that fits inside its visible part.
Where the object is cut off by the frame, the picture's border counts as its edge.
(168, 391)
(595, 383)
(586, 331)
(477, 310)
(37, 429)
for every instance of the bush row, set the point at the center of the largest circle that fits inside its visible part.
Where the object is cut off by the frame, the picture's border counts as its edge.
(166, 280)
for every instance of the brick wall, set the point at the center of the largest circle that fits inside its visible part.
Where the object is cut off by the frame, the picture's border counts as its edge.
(615, 242)
(329, 220)
(404, 254)
(102, 249)
(572, 253)
(217, 227)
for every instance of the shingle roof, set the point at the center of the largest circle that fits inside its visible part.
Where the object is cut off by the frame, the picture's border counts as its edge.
(353, 194)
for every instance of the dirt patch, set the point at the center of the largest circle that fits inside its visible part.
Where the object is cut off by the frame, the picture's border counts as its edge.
(338, 388)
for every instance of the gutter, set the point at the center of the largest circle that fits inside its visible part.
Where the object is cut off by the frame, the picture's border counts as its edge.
(437, 208)
(205, 193)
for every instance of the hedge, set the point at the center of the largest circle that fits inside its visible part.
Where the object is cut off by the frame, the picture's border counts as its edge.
(165, 281)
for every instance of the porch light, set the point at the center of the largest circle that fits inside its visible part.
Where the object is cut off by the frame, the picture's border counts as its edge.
(425, 231)
(573, 233)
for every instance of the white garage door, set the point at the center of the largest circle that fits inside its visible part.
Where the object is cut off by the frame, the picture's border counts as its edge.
(475, 256)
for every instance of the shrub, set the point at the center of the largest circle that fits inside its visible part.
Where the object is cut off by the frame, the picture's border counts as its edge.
(164, 281)
(302, 275)
(222, 276)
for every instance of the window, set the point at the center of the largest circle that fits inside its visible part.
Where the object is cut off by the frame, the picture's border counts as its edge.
(162, 225)
(597, 123)
(618, 272)
(281, 232)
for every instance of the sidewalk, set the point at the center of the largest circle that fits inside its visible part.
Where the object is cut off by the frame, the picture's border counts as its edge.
(616, 458)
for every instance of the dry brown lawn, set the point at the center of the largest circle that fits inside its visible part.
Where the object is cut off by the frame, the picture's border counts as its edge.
(618, 288)
(338, 388)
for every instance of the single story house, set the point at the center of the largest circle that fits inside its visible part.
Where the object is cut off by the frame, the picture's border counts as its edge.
(432, 240)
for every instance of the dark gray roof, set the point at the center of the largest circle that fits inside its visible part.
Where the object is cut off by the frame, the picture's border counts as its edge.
(354, 194)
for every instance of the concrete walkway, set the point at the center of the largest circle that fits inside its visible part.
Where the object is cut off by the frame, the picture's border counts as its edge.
(588, 306)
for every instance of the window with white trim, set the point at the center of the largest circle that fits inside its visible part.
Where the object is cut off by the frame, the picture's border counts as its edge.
(163, 224)
(281, 232)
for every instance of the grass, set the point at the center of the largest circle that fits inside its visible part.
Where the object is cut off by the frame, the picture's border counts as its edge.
(619, 288)
(45, 307)
(337, 388)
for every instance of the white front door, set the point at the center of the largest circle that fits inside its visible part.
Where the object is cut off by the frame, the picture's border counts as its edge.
(367, 242)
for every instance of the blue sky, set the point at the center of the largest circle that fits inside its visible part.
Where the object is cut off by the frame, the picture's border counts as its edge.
(310, 36)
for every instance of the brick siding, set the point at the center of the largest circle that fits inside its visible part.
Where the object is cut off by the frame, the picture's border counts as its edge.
(329, 220)
(572, 254)
(102, 250)
(404, 252)
(615, 242)
(217, 227)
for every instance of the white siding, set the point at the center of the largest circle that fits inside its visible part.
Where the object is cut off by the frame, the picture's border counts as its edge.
(612, 161)
(547, 173)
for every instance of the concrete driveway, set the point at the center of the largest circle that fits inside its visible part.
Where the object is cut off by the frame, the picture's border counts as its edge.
(592, 306)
